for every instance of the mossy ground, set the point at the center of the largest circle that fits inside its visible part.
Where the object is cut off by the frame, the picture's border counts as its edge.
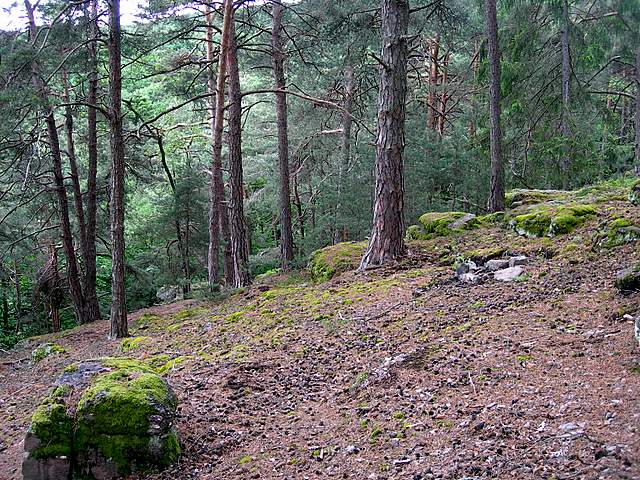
(277, 374)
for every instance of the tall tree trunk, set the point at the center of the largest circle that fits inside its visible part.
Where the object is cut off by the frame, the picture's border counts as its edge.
(433, 83)
(277, 55)
(92, 309)
(496, 194)
(119, 327)
(345, 152)
(444, 96)
(73, 277)
(91, 296)
(239, 252)
(218, 213)
(638, 111)
(213, 257)
(565, 132)
(387, 237)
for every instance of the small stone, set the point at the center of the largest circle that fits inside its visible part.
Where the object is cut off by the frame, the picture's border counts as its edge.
(517, 260)
(508, 274)
(351, 449)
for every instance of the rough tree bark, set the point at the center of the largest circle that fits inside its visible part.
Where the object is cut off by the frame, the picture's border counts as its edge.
(239, 252)
(73, 277)
(218, 214)
(119, 327)
(387, 236)
(638, 111)
(277, 55)
(565, 132)
(496, 194)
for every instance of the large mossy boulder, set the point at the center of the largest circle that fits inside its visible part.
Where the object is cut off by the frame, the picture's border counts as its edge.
(440, 224)
(105, 419)
(327, 262)
(551, 221)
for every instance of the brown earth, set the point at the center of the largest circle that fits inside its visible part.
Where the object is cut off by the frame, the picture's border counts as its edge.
(403, 373)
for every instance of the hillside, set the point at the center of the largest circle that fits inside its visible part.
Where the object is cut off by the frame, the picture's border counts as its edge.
(403, 372)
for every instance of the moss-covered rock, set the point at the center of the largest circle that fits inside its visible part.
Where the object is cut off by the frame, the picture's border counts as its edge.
(619, 232)
(551, 221)
(327, 262)
(629, 280)
(518, 197)
(440, 224)
(108, 418)
(634, 194)
(46, 349)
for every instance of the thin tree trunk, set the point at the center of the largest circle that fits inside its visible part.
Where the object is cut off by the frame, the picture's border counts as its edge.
(236, 195)
(345, 153)
(277, 54)
(638, 111)
(73, 277)
(218, 214)
(444, 96)
(297, 201)
(184, 253)
(433, 83)
(496, 194)
(92, 308)
(387, 237)
(565, 162)
(119, 327)
(213, 257)
(91, 296)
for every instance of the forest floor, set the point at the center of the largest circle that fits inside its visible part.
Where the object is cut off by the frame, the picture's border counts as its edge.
(400, 373)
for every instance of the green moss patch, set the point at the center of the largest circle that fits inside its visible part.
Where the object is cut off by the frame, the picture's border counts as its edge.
(131, 343)
(552, 221)
(46, 349)
(330, 261)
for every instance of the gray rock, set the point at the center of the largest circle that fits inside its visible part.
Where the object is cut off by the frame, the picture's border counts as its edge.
(508, 274)
(462, 221)
(496, 264)
(57, 468)
(517, 260)
(169, 293)
(628, 280)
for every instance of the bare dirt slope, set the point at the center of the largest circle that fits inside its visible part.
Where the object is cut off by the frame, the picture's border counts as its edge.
(401, 373)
